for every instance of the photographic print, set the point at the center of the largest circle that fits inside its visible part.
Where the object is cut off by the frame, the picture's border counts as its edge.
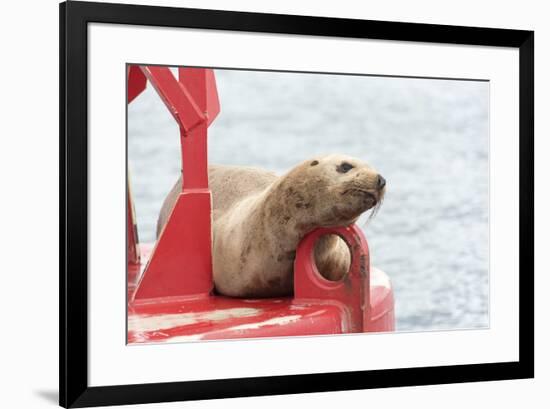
(311, 204)
(234, 185)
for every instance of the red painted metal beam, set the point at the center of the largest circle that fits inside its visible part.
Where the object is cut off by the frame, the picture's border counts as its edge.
(201, 83)
(136, 82)
(131, 230)
(181, 262)
(201, 86)
(175, 96)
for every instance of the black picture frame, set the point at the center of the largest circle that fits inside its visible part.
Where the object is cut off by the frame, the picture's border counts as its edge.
(74, 17)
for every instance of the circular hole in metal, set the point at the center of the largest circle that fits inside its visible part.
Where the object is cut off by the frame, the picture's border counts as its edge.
(332, 257)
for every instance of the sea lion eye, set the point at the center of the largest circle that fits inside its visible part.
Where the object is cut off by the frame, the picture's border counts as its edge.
(315, 162)
(344, 167)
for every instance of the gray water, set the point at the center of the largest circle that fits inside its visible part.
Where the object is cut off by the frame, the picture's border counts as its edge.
(429, 138)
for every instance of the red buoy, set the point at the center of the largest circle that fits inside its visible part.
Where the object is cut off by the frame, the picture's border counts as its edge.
(170, 286)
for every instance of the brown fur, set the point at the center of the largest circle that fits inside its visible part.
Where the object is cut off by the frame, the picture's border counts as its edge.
(259, 219)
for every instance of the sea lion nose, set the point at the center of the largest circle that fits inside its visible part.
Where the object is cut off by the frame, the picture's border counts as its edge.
(381, 182)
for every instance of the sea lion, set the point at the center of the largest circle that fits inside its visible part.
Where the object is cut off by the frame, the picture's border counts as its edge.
(259, 218)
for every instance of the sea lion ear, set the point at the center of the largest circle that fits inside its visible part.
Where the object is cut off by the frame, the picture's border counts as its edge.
(314, 163)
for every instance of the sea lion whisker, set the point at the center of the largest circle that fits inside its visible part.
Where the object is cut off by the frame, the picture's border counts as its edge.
(374, 212)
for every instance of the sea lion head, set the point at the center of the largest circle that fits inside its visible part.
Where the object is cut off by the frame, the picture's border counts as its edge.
(334, 190)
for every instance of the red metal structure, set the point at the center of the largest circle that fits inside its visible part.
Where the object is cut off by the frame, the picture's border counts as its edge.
(170, 287)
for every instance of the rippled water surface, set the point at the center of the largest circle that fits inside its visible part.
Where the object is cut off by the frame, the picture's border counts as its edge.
(429, 138)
